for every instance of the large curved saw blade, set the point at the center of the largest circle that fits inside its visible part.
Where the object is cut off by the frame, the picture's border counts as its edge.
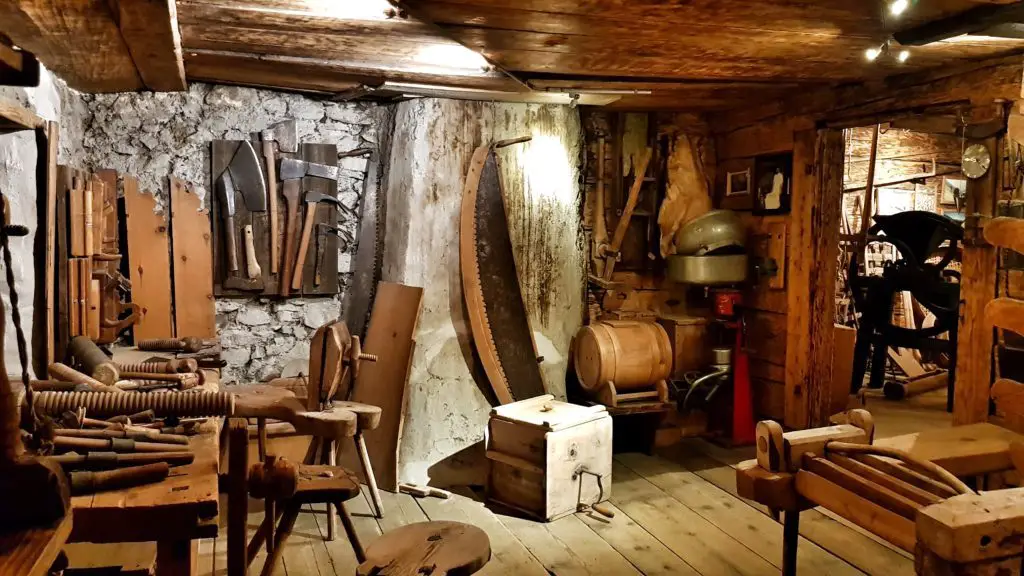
(490, 282)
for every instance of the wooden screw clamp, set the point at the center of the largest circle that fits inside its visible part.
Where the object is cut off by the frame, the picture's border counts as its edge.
(177, 365)
(836, 467)
(186, 344)
(162, 403)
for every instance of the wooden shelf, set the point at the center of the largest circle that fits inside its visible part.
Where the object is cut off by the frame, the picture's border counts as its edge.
(15, 118)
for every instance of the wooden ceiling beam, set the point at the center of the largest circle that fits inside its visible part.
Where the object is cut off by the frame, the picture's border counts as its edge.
(315, 74)
(150, 29)
(973, 21)
(77, 39)
(17, 67)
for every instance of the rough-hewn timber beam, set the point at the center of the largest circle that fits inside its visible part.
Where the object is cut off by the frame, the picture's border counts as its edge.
(972, 21)
(150, 29)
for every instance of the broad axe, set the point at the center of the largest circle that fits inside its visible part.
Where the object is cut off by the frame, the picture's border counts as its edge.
(292, 171)
(243, 175)
(287, 138)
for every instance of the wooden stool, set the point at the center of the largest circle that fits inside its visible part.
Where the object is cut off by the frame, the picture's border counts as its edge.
(278, 482)
(434, 548)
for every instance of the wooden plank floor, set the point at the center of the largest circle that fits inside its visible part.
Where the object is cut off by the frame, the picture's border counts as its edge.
(676, 513)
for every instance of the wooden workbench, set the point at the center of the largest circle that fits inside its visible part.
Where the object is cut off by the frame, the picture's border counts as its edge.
(971, 450)
(173, 513)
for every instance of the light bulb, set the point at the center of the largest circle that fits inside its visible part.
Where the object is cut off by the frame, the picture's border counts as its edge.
(903, 55)
(898, 7)
(872, 53)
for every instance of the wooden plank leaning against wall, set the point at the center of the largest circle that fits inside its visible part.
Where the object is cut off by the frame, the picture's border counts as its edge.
(813, 224)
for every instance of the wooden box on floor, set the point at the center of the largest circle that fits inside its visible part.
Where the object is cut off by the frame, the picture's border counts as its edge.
(540, 450)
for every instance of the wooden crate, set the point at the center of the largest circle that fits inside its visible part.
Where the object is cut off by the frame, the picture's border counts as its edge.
(538, 449)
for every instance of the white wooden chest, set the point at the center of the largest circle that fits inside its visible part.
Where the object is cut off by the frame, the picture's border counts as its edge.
(548, 456)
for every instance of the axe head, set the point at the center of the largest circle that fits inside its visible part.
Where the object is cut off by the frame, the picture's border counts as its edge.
(312, 197)
(285, 134)
(291, 169)
(227, 193)
(247, 177)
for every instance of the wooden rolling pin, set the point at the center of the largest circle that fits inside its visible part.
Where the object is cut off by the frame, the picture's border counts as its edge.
(110, 460)
(95, 362)
(69, 374)
(114, 445)
(145, 435)
(91, 482)
(58, 386)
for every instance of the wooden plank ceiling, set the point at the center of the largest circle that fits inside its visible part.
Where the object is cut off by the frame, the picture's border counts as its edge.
(694, 54)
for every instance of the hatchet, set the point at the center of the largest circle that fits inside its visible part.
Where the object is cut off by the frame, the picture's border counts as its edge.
(286, 136)
(292, 171)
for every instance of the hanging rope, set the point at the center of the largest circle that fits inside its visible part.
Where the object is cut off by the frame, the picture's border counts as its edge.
(6, 231)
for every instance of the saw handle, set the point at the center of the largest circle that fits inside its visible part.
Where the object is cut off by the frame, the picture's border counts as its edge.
(275, 240)
(291, 197)
(230, 246)
(307, 231)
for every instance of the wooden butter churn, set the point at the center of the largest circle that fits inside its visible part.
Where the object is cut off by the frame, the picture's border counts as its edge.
(549, 458)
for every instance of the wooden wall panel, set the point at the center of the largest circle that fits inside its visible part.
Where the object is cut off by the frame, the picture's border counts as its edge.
(149, 262)
(193, 264)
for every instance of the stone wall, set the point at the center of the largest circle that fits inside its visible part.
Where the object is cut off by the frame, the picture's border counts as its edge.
(156, 135)
(51, 100)
(433, 141)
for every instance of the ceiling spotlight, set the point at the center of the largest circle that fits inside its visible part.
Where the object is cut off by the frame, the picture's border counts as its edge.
(898, 7)
(872, 54)
(903, 55)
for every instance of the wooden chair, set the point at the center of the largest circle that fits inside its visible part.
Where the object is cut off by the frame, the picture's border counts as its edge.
(334, 361)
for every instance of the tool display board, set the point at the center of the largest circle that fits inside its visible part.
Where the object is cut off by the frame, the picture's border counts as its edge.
(222, 153)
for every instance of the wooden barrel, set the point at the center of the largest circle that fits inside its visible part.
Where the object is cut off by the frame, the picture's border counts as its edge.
(628, 353)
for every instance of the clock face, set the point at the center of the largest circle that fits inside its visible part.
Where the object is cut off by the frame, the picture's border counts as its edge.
(976, 161)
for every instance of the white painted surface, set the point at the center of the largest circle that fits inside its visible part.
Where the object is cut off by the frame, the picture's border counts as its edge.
(433, 141)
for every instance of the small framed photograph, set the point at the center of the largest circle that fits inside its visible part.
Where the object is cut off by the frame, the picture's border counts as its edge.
(954, 191)
(737, 183)
(773, 175)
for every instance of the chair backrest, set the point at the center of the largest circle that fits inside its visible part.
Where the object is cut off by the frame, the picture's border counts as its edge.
(327, 350)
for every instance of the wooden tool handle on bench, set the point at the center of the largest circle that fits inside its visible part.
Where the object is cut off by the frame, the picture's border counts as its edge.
(90, 482)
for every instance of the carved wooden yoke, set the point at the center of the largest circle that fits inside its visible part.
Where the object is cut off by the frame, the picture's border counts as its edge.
(912, 503)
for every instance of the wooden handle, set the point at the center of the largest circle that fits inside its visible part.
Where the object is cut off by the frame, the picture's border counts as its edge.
(603, 510)
(291, 196)
(89, 482)
(69, 374)
(300, 260)
(252, 266)
(229, 242)
(275, 240)
(627, 214)
(88, 219)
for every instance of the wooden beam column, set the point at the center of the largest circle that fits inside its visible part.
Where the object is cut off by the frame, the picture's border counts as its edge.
(816, 208)
(977, 288)
(150, 29)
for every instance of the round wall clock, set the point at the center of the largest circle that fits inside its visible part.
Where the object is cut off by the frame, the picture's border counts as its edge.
(976, 161)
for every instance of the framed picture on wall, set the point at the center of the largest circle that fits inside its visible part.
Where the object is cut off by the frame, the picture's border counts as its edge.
(773, 176)
(734, 184)
(954, 191)
(737, 183)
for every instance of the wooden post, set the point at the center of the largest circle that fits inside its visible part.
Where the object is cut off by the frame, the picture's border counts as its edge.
(973, 376)
(814, 245)
(869, 190)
